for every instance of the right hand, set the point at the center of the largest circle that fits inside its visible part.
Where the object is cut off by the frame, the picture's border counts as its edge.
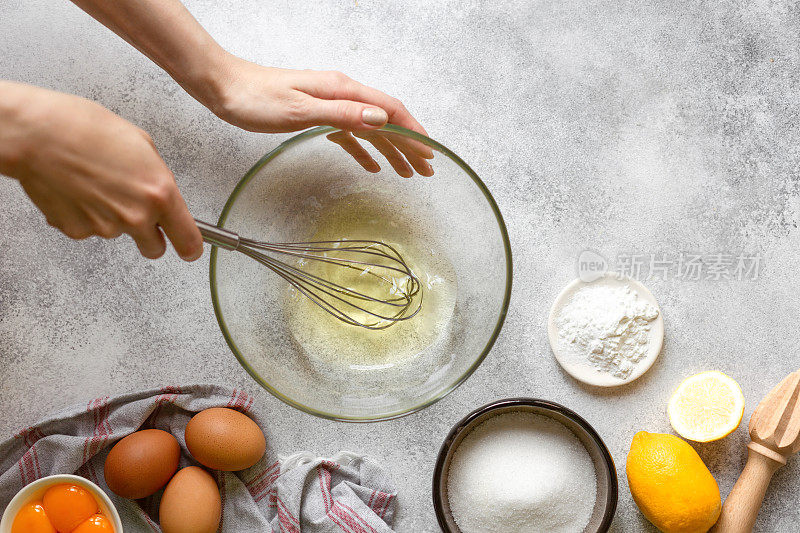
(267, 99)
(93, 173)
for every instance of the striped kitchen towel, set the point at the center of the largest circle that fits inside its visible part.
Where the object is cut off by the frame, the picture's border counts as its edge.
(346, 493)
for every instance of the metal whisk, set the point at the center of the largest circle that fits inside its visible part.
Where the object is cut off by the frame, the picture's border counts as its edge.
(394, 292)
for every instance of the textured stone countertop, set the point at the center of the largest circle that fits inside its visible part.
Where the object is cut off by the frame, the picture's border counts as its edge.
(629, 128)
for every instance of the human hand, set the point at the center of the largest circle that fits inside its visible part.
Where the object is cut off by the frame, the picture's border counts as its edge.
(264, 99)
(93, 173)
(275, 100)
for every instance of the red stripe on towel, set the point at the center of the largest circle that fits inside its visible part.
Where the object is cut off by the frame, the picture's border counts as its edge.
(262, 474)
(339, 523)
(240, 400)
(30, 436)
(233, 398)
(377, 501)
(169, 394)
(324, 487)
(94, 443)
(36, 462)
(386, 505)
(369, 503)
(356, 516)
(271, 493)
(286, 518)
(347, 519)
(266, 482)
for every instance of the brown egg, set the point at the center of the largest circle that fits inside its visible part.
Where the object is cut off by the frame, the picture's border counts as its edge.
(141, 463)
(191, 503)
(224, 439)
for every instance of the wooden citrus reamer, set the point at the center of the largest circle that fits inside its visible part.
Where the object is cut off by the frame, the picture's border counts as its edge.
(775, 435)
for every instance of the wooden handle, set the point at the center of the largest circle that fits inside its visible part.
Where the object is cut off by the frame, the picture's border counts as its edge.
(741, 507)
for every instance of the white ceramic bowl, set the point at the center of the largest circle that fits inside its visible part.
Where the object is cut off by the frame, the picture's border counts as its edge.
(583, 371)
(35, 491)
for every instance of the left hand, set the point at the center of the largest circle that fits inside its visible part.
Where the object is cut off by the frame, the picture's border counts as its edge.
(274, 100)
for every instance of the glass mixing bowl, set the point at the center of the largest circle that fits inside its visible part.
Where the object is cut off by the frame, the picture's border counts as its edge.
(451, 217)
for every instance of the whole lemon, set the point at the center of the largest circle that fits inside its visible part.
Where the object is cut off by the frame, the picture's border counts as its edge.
(671, 484)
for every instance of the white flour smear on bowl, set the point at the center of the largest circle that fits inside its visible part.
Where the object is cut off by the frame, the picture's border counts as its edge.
(606, 327)
(521, 472)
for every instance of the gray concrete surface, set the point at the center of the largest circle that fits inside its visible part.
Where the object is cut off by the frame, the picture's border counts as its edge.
(621, 126)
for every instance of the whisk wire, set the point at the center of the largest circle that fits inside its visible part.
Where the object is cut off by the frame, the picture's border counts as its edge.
(316, 289)
(395, 299)
(398, 294)
(311, 295)
(306, 252)
(311, 278)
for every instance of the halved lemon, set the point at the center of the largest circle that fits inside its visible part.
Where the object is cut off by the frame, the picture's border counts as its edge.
(707, 406)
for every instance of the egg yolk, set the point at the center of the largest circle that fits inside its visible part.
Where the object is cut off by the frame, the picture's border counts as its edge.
(96, 524)
(32, 519)
(67, 506)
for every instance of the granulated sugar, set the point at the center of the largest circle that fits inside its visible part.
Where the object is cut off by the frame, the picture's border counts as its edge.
(521, 473)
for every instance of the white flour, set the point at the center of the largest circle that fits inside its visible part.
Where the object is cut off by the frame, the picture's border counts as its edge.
(607, 326)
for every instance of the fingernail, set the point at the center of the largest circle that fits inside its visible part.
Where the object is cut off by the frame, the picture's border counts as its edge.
(374, 116)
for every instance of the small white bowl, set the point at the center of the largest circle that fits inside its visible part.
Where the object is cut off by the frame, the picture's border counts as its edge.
(585, 372)
(35, 491)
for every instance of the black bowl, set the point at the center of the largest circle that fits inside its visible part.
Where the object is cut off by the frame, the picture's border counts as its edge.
(607, 489)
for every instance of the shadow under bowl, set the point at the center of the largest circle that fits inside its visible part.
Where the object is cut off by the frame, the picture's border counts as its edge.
(607, 488)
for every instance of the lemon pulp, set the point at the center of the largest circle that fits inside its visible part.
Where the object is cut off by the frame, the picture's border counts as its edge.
(707, 406)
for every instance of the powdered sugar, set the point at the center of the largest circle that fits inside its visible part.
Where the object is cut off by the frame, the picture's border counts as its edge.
(607, 326)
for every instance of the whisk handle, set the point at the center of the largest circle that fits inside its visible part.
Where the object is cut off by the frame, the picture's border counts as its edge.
(217, 236)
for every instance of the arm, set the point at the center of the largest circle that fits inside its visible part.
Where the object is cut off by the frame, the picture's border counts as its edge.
(91, 172)
(169, 35)
(247, 95)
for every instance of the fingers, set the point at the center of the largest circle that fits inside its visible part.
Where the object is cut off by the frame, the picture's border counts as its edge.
(181, 229)
(411, 145)
(388, 150)
(150, 241)
(160, 210)
(419, 163)
(75, 226)
(352, 147)
(345, 114)
(337, 86)
(349, 116)
(346, 140)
